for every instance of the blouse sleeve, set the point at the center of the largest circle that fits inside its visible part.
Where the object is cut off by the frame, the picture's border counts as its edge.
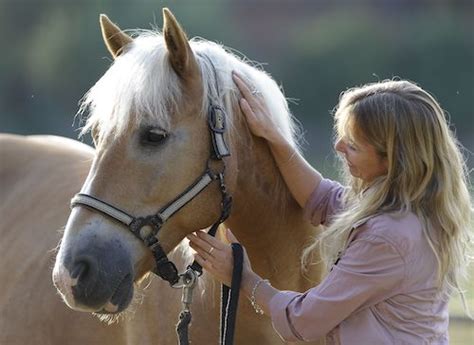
(325, 201)
(370, 271)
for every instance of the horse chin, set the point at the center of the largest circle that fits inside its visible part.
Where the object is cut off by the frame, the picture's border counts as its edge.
(111, 313)
(109, 317)
(121, 297)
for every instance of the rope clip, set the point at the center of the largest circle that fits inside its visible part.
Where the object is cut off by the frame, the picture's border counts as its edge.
(187, 281)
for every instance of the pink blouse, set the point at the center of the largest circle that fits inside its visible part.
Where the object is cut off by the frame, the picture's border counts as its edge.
(382, 291)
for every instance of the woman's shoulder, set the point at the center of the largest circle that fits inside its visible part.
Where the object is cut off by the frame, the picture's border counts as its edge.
(402, 230)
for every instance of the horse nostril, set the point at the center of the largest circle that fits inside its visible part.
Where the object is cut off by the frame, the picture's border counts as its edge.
(79, 269)
(84, 270)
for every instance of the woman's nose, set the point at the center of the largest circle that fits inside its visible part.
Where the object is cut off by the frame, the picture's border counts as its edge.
(339, 146)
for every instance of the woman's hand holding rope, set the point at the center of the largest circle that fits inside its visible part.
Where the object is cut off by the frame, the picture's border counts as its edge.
(216, 256)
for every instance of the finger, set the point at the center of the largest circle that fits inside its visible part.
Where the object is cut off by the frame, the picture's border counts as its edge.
(211, 240)
(241, 83)
(207, 256)
(245, 89)
(201, 241)
(201, 251)
(204, 263)
(210, 268)
(214, 255)
(247, 109)
(237, 74)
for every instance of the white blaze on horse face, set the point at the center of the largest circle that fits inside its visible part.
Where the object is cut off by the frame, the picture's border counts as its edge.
(64, 283)
(62, 279)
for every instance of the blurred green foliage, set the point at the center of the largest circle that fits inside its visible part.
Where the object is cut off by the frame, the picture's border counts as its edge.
(52, 52)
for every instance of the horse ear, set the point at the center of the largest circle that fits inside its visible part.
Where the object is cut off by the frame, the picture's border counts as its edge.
(180, 54)
(115, 39)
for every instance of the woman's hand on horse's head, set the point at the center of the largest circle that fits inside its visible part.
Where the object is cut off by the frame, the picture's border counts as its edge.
(215, 256)
(259, 118)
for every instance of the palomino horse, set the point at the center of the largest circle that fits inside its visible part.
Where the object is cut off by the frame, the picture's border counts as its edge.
(149, 118)
(38, 176)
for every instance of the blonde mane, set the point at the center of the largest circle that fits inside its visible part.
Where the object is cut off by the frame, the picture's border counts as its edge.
(141, 86)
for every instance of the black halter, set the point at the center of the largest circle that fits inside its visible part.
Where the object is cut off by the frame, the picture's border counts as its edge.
(164, 268)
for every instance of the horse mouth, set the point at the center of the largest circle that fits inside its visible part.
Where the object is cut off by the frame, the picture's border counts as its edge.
(121, 297)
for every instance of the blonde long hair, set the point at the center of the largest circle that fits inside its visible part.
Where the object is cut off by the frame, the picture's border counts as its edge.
(427, 174)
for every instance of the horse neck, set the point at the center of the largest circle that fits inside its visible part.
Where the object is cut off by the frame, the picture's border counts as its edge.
(267, 220)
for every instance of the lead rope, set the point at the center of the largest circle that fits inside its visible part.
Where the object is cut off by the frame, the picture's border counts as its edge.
(229, 302)
(229, 296)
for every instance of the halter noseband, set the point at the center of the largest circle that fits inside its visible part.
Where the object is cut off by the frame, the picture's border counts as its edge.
(164, 268)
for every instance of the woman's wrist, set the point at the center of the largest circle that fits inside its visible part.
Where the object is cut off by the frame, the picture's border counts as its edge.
(249, 279)
(258, 290)
(283, 151)
(275, 138)
(253, 299)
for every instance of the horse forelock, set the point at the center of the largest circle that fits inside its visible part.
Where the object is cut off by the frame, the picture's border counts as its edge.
(141, 86)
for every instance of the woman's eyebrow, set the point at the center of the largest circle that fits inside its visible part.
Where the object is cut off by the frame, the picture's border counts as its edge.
(351, 140)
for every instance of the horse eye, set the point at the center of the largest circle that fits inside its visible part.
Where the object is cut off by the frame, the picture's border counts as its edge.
(154, 136)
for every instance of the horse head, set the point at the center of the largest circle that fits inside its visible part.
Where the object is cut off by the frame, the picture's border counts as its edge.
(149, 118)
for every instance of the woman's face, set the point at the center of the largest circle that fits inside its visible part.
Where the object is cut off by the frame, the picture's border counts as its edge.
(362, 159)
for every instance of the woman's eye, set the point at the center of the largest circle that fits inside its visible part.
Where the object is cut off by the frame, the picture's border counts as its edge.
(154, 136)
(351, 145)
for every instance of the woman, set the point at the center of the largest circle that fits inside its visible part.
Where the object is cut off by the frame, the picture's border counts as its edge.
(396, 238)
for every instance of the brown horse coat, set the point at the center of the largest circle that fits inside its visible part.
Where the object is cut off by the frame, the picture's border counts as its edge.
(38, 177)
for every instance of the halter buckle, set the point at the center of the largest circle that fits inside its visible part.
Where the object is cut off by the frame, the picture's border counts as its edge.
(216, 118)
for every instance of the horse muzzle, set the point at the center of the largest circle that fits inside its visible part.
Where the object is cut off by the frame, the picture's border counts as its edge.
(96, 278)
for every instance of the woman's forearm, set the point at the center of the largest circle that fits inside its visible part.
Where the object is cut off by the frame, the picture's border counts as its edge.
(300, 177)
